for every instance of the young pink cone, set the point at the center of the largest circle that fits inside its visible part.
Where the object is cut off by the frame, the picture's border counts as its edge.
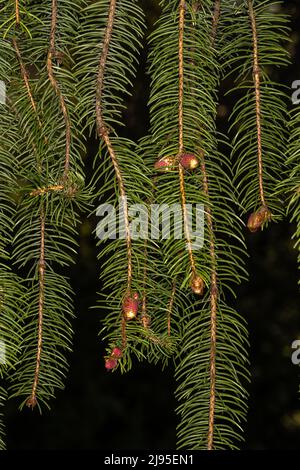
(164, 164)
(189, 161)
(116, 353)
(110, 363)
(130, 308)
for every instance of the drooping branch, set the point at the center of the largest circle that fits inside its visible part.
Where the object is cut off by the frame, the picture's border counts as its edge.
(170, 308)
(145, 318)
(26, 79)
(32, 400)
(56, 87)
(256, 79)
(213, 309)
(104, 133)
(17, 9)
(216, 18)
(181, 134)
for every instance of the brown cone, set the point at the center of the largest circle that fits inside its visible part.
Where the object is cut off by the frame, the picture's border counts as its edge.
(197, 285)
(258, 218)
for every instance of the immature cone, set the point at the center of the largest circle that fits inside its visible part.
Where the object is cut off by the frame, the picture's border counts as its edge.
(165, 164)
(197, 285)
(130, 307)
(116, 353)
(258, 218)
(189, 161)
(110, 363)
(31, 402)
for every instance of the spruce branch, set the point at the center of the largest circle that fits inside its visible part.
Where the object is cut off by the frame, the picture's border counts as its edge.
(170, 308)
(17, 12)
(32, 400)
(213, 310)
(56, 87)
(26, 79)
(182, 6)
(216, 18)
(103, 133)
(256, 79)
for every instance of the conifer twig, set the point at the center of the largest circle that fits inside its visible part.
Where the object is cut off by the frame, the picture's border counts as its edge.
(181, 139)
(256, 78)
(213, 310)
(144, 315)
(213, 275)
(32, 400)
(17, 9)
(216, 17)
(170, 307)
(56, 87)
(103, 133)
(44, 190)
(26, 79)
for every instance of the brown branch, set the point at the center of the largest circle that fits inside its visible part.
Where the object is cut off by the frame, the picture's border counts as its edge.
(32, 400)
(170, 307)
(181, 139)
(256, 78)
(26, 79)
(213, 310)
(145, 318)
(17, 9)
(104, 134)
(213, 275)
(44, 190)
(216, 17)
(55, 86)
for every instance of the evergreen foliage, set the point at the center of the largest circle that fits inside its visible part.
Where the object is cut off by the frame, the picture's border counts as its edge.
(68, 67)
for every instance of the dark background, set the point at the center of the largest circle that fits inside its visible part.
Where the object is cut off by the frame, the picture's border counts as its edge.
(100, 410)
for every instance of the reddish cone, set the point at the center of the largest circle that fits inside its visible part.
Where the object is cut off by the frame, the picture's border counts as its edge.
(189, 161)
(116, 353)
(258, 218)
(165, 164)
(110, 363)
(130, 308)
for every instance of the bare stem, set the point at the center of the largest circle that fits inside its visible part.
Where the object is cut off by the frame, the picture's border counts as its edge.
(256, 78)
(56, 87)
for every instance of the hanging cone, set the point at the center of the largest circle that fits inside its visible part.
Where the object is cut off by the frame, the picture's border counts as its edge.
(197, 285)
(189, 161)
(165, 164)
(110, 363)
(130, 307)
(116, 353)
(258, 218)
